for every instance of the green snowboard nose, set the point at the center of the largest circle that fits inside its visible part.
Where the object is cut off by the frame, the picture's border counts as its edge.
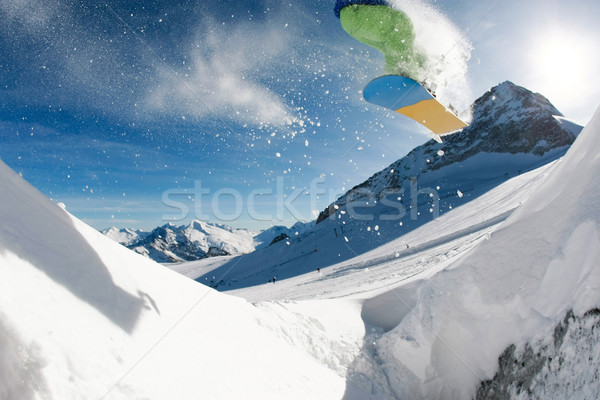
(389, 31)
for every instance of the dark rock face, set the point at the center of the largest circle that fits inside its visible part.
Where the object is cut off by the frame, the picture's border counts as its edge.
(515, 370)
(279, 238)
(568, 365)
(508, 120)
(214, 251)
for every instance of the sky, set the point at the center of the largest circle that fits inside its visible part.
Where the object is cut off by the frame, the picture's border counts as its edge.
(248, 113)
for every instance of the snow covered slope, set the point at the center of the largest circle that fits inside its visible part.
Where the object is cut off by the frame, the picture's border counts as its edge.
(414, 255)
(82, 317)
(268, 236)
(512, 296)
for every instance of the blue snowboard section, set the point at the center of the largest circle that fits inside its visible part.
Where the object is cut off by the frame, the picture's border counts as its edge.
(394, 92)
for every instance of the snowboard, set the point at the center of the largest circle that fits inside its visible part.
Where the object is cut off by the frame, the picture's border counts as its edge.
(408, 97)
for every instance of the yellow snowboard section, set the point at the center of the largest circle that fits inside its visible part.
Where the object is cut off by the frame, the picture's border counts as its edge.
(434, 116)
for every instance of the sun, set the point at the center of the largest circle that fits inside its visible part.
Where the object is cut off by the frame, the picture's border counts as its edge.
(560, 63)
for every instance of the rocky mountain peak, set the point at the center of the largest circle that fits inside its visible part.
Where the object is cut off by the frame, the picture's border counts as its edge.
(508, 119)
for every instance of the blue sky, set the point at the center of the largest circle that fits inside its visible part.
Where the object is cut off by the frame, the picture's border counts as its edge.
(138, 113)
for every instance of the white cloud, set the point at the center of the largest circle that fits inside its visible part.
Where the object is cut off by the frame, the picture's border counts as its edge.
(229, 76)
(30, 13)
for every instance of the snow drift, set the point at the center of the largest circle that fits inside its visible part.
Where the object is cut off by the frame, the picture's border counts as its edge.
(82, 317)
(514, 289)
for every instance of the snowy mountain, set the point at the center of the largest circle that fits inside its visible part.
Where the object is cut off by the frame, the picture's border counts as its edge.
(513, 130)
(198, 240)
(124, 236)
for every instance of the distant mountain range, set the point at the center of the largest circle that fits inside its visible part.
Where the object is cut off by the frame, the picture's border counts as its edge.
(198, 240)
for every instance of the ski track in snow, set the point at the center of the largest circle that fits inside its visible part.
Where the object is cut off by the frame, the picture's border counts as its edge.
(392, 264)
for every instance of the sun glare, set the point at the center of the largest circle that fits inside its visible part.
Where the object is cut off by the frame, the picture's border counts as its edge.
(561, 63)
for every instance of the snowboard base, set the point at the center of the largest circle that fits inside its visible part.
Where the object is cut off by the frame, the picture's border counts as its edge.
(408, 97)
